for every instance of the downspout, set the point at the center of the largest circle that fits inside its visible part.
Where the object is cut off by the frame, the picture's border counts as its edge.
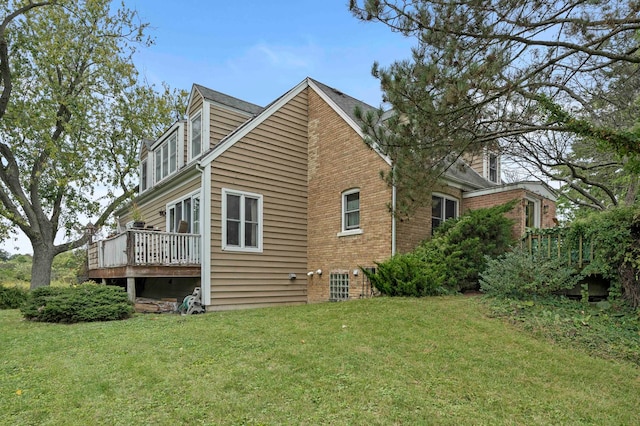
(393, 214)
(205, 255)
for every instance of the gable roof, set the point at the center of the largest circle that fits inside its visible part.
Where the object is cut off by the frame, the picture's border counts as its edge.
(251, 124)
(230, 101)
(345, 106)
(460, 172)
(345, 102)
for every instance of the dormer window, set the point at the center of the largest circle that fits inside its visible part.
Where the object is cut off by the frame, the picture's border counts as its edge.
(144, 176)
(196, 136)
(165, 157)
(493, 168)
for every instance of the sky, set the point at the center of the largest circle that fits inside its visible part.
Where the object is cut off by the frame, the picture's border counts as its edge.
(258, 50)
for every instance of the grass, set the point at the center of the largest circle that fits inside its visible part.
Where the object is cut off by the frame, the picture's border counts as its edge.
(380, 361)
(605, 329)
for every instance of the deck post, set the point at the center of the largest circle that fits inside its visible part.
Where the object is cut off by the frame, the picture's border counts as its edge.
(131, 288)
(580, 252)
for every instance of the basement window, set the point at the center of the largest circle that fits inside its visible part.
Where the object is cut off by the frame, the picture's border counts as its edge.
(338, 287)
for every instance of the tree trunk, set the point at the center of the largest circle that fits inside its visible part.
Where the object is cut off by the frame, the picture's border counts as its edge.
(41, 268)
(632, 190)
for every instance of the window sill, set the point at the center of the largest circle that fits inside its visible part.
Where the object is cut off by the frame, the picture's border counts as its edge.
(242, 249)
(350, 232)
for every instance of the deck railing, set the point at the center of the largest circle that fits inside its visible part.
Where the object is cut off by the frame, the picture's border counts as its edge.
(146, 248)
(577, 251)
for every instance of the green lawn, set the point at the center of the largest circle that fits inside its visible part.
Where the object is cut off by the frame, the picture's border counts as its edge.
(380, 361)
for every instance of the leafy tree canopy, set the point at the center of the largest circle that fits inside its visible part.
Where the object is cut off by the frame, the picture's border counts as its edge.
(76, 113)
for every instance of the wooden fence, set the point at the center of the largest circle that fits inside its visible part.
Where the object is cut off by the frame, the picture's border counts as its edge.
(553, 244)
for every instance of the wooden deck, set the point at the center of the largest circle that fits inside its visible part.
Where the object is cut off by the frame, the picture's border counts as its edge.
(145, 253)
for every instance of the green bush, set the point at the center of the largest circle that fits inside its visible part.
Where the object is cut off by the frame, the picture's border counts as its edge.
(84, 303)
(615, 235)
(12, 297)
(450, 261)
(519, 275)
(408, 275)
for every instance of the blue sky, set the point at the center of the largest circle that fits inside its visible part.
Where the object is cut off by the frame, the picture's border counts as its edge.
(256, 51)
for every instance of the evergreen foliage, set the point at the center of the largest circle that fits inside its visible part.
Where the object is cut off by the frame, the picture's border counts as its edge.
(486, 73)
(450, 261)
(12, 297)
(83, 303)
(519, 275)
(615, 235)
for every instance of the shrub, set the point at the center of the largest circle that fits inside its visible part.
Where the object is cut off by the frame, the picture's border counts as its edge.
(84, 303)
(452, 260)
(12, 297)
(519, 275)
(468, 240)
(408, 275)
(614, 236)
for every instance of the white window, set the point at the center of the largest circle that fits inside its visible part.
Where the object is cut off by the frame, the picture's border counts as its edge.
(338, 286)
(241, 221)
(185, 210)
(350, 213)
(196, 136)
(531, 213)
(493, 168)
(144, 176)
(165, 157)
(442, 208)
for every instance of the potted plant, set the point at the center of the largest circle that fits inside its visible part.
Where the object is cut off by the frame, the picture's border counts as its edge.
(138, 222)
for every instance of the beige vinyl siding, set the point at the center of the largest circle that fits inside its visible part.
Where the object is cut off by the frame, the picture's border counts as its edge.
(196, 104)
(223, 121)
(475, 161)
(151, 209)
(272, 162)
(144, 151)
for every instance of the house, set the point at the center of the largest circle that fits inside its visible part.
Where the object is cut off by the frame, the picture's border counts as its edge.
(280, 205)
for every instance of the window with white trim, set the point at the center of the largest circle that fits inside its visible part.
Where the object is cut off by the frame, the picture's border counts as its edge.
(165, 157)
(196, 136)
(338, 286)
(186, 209)
(531, 213)
(442, 208)
(493, 168)
(144, 175)
(351, 210)
(241, 221)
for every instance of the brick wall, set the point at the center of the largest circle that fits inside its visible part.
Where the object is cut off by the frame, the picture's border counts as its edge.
(339, 160)
(411, 231)
(518, 213)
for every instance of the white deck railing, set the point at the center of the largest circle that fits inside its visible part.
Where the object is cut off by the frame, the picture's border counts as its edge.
(142, 247)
